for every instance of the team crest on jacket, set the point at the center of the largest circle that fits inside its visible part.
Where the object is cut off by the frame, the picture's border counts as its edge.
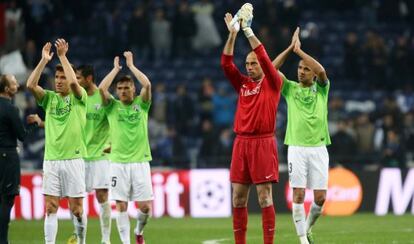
(135, 107)
(97, 106)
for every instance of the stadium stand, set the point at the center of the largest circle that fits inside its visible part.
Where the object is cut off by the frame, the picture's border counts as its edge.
(366, 47)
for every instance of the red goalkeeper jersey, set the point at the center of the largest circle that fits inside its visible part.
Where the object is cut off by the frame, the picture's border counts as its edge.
(258, 101)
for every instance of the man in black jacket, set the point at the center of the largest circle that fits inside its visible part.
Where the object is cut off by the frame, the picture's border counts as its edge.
(11, 129)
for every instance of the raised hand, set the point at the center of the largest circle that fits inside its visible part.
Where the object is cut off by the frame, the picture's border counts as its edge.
(116, 63)
(295, 37)
(296, 47)
(129, 58)
(46, 53)
(232, 28)
(62, 47)
(246, 15)
(247, 7)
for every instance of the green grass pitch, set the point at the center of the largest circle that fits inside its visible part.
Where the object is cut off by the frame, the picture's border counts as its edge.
(360, 228)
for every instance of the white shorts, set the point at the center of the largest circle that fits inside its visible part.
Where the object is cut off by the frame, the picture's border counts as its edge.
(64, 178)
(131, 182)
(98, 174)
(308, 167)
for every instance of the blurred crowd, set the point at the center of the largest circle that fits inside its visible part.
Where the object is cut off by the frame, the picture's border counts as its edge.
(366, 47)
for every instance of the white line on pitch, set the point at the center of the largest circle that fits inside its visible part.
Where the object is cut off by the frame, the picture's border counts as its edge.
(217, 241)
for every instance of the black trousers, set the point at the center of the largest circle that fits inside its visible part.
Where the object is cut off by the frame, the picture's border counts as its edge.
(9, 188)
(6, 204)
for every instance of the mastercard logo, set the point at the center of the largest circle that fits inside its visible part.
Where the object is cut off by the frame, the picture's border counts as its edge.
(344, 194)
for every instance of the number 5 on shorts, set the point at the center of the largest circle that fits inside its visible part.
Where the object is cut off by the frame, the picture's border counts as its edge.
(113, 181)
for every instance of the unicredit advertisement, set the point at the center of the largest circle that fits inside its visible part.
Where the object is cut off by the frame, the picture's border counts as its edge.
(207, 193)
(197, 193)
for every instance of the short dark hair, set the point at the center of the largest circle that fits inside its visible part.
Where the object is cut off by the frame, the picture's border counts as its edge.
(59, 67)
(4, 82)
(251, 52)
(126, 78)
(87, 70)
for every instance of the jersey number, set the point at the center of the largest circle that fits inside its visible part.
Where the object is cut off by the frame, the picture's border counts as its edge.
(114, 181)
(290, 168)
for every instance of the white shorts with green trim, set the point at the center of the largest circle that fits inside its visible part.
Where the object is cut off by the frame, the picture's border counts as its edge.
(131, 182)
(64, 178)
(308, 167)
(98, 174)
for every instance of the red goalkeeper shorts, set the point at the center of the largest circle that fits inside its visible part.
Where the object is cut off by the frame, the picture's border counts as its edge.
(254, 160)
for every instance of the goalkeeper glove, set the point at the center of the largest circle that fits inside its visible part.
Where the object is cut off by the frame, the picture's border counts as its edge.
(246, 16)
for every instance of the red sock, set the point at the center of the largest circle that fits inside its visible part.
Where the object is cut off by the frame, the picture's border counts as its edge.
(240, 225)
(268, 224)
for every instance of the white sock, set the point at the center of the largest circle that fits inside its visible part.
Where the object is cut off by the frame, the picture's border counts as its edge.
(314, 213)
(105, 220)
(80, 225)
(303, 240)
(299, 218)
(122, 221)
(51, 226)
(141, 222)
(72, 217)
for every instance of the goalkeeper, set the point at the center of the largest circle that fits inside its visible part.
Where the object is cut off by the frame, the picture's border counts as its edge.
(254, 159)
